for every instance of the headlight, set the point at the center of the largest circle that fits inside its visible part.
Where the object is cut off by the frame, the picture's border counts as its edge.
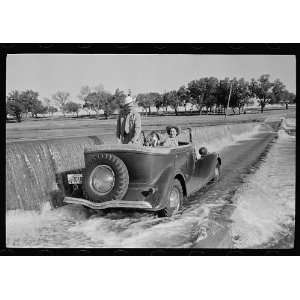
(102, 179)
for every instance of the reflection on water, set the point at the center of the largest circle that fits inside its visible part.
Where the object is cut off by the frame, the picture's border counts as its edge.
(265, 213)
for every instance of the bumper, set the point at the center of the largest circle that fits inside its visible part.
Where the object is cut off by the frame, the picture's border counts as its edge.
(108, 204)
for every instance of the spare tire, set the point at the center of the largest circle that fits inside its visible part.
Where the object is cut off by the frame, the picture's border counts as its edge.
(105, 178)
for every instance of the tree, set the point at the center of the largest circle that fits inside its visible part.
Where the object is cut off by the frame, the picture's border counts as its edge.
(165, 100)
(222, 93)
(99, 88)
(91, 101)
(30, 99)
(110, 106)
(277, 92)
(196, 89)
(97, 98)
(262, 90)
(147, 100)
(100, 100)
(202, 91)
(38, 108)
(119, 97)
(291, 97)
(52, 109)
(287, 98)
(184, 96)
(72, 107)
(47, 102)
(61, 98)
(240, 94)
(14, 105)
(174, 100)
(158, 102)
(84, 92)
(209, 99)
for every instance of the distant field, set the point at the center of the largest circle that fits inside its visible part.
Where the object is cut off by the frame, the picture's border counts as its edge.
(59, 128)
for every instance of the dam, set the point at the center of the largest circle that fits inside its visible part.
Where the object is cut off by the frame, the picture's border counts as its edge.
(221, 215)
(32, 166)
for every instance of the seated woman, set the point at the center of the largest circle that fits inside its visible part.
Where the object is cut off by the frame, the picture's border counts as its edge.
(171, 140)
(153, 139)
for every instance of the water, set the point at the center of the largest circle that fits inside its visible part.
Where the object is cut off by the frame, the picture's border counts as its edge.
(74, 226)
(216, 138)
(265, 212)
(31, 167)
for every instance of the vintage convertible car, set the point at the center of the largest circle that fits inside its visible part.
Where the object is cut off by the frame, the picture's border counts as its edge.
(134, 176)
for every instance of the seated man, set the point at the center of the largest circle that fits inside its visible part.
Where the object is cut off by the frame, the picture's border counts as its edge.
(171, 140)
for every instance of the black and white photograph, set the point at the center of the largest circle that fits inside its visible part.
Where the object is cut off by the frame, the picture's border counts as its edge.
(188, 151)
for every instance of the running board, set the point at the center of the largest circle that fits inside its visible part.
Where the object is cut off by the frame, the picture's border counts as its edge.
(108, 204)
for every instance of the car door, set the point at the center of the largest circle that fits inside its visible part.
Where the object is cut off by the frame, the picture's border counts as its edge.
(203, 171)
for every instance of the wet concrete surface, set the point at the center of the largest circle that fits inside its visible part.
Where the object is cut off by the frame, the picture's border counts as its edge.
(237, 162)
(205, 221)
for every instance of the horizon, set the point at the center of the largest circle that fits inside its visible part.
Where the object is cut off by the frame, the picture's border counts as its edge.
(140, 73)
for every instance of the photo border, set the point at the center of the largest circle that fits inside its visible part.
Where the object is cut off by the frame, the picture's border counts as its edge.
(137, 48)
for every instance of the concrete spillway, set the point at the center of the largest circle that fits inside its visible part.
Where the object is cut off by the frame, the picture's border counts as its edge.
(31, 167)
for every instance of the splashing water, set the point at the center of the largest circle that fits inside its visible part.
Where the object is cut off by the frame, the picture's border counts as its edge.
(74, 226)
(265, 213)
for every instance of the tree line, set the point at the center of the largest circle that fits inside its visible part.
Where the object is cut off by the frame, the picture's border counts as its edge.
(208, 93)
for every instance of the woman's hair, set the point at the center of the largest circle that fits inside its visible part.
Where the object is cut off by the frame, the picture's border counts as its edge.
(168, 129)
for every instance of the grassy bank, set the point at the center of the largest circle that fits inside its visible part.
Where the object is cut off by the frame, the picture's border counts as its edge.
(53, 128)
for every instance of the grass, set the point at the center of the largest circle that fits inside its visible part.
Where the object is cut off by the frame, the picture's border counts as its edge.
(70, 127)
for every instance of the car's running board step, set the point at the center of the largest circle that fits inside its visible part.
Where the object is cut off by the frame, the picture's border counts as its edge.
(108, 204)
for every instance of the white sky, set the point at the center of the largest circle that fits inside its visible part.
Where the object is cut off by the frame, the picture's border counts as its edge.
(48, 73)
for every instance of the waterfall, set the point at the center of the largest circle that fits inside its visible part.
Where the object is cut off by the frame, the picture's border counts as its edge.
(32, 166)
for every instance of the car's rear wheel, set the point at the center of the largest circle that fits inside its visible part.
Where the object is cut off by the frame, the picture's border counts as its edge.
(105, 178)
(174, 200)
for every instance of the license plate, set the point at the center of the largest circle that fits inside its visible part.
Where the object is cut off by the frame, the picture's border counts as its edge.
(75, 178)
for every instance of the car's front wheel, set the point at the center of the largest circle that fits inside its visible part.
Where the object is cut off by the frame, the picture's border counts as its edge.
(174, 200)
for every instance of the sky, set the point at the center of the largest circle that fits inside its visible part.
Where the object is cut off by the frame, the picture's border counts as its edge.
(49, 73)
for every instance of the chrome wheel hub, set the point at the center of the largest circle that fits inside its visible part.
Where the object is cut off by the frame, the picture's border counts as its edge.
(102, 179)
(174, 199)
(217, 172)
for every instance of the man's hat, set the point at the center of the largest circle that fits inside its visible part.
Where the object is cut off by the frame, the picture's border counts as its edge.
(128, 100)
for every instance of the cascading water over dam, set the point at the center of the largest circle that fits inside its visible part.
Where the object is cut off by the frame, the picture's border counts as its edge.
(32, 166)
